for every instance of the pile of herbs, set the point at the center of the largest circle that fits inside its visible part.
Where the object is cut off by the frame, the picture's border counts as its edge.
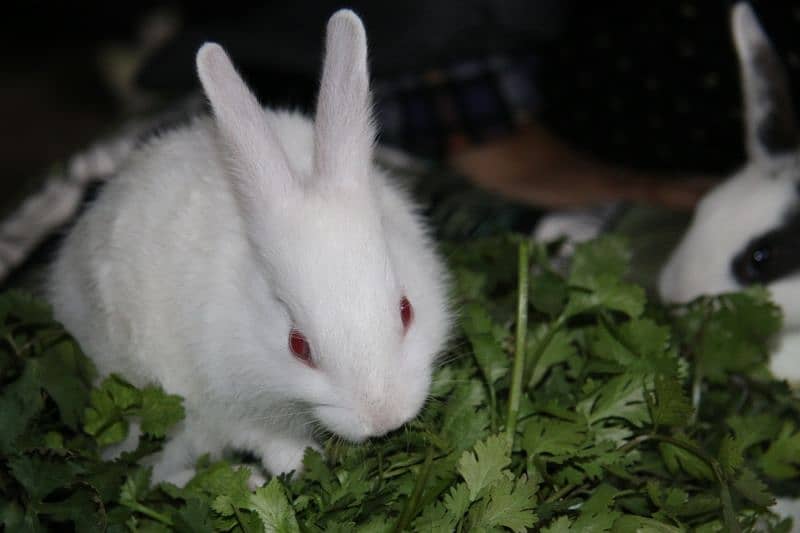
(566, 403)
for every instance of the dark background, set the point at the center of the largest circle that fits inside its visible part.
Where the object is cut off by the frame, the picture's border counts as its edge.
(645, 84)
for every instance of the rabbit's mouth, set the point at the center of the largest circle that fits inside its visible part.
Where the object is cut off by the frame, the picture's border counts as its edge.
(357, 427)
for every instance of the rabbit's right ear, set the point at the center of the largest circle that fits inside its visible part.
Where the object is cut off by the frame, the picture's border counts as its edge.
(260, 165)
(344, 132)
(769, 114)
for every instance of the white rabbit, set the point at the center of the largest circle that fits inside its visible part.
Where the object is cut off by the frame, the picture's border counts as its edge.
(262, 267)
(747, 229)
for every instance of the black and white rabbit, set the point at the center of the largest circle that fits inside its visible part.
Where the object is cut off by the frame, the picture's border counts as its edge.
(747, 229)
(261, 266)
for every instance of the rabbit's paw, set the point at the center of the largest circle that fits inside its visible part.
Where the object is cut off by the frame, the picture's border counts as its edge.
(282, 455)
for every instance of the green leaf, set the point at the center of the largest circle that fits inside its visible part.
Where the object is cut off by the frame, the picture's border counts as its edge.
(679, 459)
(462, 424)
(20, 402)
(548, 293)
(221, 479)
(485, 338)
(66, 376)
(782, 458)
(640, 524)
(41, 474)
(83, 508)
(135, 486)
(481, 468)
(562, 524)
(606, 292)
(754, 429)
(639, 346)
(160, 411)
(596, 514)
(620, 397)
(194, 517)
(604, 256)
(559, 348)
(104, 418)
(752, 488)
(670, 406)
(730, 456)
(552, 436)
(511, 505)
(273, 509)
(24, 307)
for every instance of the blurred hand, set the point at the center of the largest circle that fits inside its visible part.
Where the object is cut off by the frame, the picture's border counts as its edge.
(535, 167)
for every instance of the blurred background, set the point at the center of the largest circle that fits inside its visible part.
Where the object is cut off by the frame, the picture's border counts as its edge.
(550, 103)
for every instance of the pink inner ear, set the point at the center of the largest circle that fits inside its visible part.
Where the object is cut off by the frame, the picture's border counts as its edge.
(406, 312)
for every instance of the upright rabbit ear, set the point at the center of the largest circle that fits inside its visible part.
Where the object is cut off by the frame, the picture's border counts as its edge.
(770, 121)
(259, 162)
(344, 132)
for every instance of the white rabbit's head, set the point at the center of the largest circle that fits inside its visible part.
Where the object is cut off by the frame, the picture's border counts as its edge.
(351, 265)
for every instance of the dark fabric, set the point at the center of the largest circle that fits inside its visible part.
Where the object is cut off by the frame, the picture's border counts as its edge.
(656, 84)
(283, 40)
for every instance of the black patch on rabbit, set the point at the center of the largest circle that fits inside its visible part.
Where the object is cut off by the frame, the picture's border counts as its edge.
(771, 256)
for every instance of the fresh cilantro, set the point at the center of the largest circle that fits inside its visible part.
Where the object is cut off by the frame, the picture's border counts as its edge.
(614, 414)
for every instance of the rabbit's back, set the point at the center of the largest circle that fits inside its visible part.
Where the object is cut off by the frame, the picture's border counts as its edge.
(159, 264)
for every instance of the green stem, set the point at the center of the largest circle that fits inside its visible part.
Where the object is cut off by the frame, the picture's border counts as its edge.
(139, 508)
(563, 491)
(241, 520)
(410, 509)
(519, 353)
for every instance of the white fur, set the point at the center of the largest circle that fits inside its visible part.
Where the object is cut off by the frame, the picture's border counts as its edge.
(750, 203)
(216, 239)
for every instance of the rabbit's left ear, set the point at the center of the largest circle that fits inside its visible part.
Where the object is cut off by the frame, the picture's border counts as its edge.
(770, 123)
(344, 132)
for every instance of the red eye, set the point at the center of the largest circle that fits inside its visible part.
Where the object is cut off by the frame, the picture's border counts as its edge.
(300, 348)
(406, 312)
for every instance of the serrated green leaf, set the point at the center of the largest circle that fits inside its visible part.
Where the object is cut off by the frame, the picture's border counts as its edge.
(272, 507)
(221, 479)
(481, 468)
(754, 429)
(782, 458)
(194, 517)
(552, 436)
(605, 256)
(562, 524)
(678, 459)
(511, 505)
(752, 488)
(620, 397)
(159, 411)
(596, 514)
(730, 456)
(606, 292)
(670, 405)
